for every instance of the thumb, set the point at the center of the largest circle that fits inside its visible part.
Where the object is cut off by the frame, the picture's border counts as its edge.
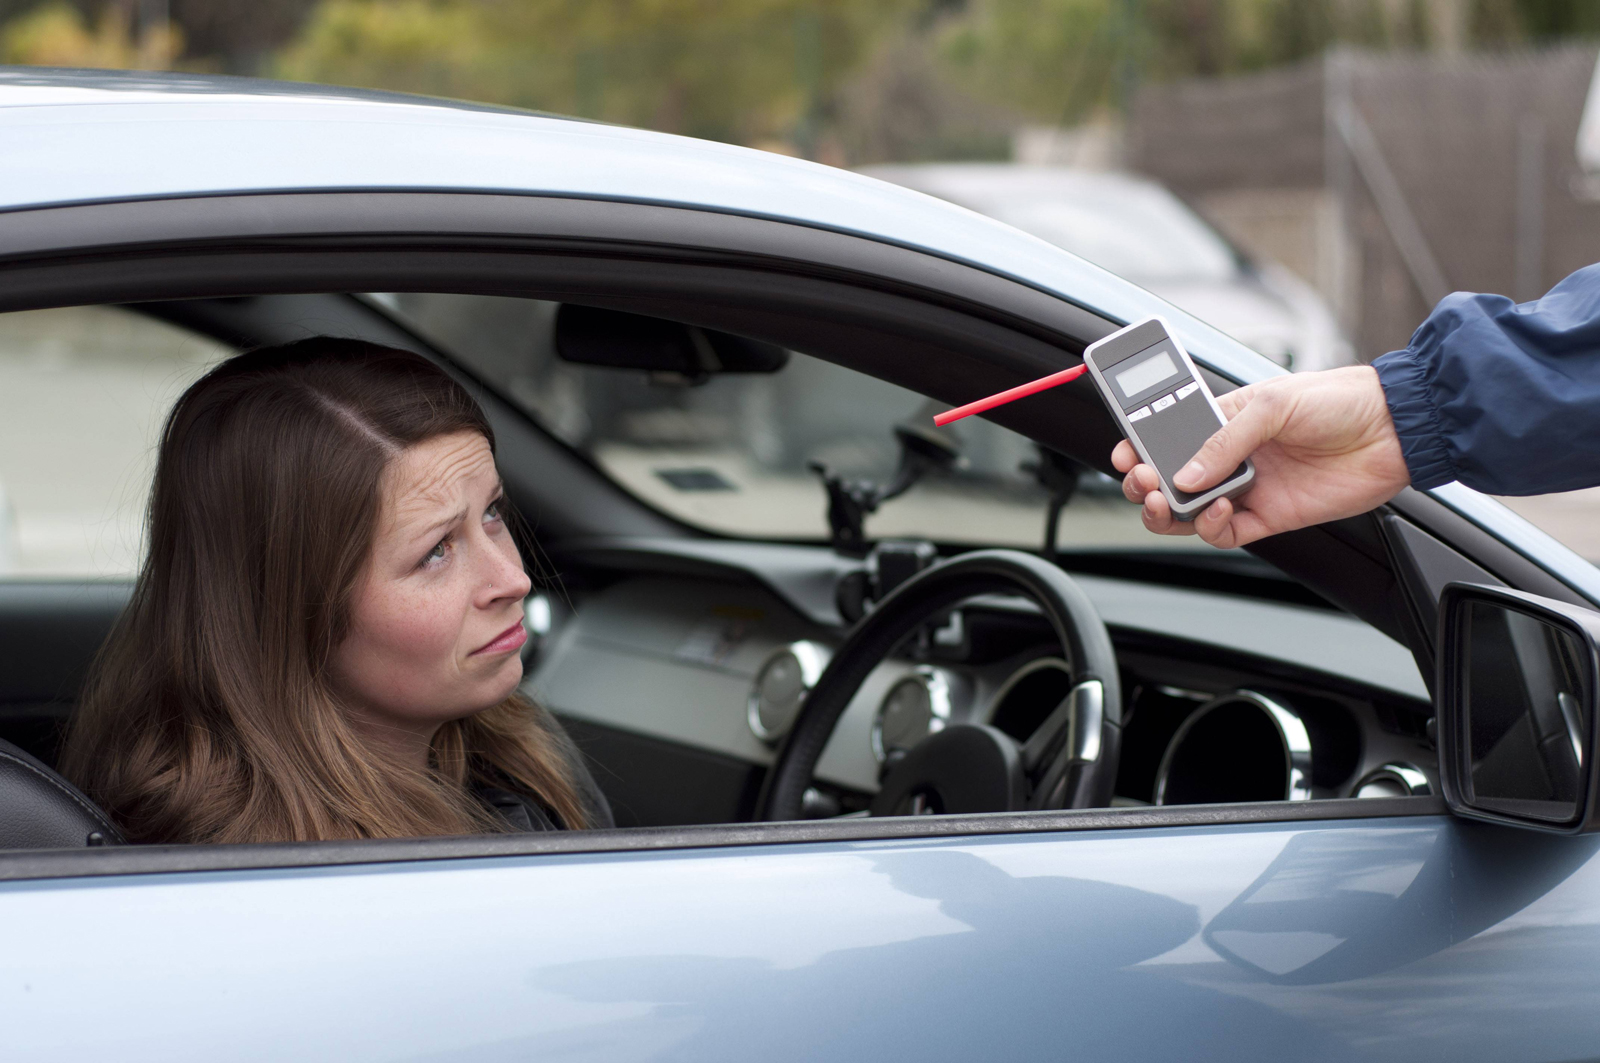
(1257, 421)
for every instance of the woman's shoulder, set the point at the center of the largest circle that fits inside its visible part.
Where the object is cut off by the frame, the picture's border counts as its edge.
(519, 811)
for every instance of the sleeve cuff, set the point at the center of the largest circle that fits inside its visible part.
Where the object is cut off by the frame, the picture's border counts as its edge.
(1416, 419)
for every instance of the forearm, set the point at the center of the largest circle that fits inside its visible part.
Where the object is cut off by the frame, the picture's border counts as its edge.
(1504, 398)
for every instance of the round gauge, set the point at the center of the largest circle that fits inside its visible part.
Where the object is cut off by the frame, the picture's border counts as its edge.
(1393, 780)
(781, 686)
(914, 708)
(1242, 746)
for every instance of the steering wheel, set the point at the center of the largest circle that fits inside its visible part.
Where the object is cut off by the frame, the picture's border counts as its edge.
(1069, 762)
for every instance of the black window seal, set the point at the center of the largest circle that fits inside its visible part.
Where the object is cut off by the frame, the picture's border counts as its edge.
(21, 866)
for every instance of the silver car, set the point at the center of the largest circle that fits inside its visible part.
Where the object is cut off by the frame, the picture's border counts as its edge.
(897, 775)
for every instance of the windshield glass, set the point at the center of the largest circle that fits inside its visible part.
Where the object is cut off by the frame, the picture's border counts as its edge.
(731, 455)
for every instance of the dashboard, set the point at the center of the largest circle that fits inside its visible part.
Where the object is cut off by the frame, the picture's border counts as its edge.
(712, 646)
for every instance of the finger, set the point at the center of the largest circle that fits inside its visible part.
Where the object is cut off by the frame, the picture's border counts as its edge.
(1246, 527)
(1124, 457)
(1226, 527)
(1212, 524)
(1157, 516)
(1233, 401)
(1139, 482)
(1258, 420)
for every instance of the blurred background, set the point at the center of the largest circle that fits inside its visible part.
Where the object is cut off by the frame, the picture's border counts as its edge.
(1309, 175)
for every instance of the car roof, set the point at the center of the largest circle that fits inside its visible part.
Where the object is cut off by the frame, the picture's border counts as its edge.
(75, 136)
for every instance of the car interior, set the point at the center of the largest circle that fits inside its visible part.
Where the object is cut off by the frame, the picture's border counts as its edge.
(728, 480)
(678, 661)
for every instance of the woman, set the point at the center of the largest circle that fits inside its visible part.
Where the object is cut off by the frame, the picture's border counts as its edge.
(323, 640)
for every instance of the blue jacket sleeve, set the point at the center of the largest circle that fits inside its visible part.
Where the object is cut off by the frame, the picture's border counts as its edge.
(1501, 396)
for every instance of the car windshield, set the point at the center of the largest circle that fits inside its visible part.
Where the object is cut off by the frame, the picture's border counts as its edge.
(732, 455)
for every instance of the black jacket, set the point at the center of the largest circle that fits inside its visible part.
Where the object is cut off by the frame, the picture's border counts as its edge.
(527, 813)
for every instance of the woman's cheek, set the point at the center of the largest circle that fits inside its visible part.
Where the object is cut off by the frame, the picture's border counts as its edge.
(422, 628)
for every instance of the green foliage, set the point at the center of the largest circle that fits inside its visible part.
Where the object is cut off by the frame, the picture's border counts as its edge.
(1051, 58)
(411, 45)
(841, 79)
(742, 70)
(1502, 22)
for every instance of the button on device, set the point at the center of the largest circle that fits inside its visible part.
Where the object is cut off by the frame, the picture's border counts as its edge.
(1188, 389)
(1163, 402)
(1140, 414)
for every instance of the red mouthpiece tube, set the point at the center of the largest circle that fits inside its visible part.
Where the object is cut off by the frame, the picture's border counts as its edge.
(1021, 391)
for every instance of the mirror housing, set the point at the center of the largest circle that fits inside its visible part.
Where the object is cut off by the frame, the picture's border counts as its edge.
(671, 350)
(1518, 682)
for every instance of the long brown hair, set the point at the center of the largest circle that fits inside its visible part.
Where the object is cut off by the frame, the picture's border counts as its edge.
(208, 716)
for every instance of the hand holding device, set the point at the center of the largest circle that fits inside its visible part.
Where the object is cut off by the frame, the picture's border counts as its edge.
(1156, 395)
(1323, 445)
(1165, 410)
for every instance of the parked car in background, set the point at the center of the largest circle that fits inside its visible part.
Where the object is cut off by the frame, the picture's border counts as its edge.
(1140, 231)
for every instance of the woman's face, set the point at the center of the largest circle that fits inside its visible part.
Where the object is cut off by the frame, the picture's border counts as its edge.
(436, 620)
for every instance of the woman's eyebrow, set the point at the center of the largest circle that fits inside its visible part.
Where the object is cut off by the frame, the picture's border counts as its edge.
(443, 522)
(459, 515)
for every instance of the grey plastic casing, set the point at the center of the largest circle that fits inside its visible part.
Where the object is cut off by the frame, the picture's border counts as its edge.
(1165, 438)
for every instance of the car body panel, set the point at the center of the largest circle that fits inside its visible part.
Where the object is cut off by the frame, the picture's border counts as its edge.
(1324, 941)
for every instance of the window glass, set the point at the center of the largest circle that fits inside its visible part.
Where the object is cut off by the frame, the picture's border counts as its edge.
(83, 392)
(732, 454)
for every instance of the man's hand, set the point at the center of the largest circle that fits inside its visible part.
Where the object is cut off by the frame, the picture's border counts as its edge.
(1323, 445)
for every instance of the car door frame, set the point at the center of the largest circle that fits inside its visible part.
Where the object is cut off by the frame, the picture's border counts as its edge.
(958, 330)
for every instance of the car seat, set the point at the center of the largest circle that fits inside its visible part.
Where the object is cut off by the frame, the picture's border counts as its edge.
(41, 810)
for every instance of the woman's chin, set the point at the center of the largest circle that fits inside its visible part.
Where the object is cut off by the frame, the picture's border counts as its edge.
(507, 678)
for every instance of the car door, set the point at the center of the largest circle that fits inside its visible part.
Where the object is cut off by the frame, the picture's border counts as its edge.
(1333, 929)
(1358, 938)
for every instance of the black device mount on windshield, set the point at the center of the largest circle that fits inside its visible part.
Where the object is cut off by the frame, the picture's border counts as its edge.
(1059, 475)
(851, 502)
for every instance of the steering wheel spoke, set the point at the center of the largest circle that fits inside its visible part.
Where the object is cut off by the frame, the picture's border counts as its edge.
(1065, 746)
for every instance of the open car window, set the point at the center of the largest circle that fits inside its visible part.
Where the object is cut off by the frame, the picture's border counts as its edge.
(732, 454)
(83, 393)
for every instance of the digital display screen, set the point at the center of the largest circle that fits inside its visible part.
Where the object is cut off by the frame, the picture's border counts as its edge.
(1147, 374)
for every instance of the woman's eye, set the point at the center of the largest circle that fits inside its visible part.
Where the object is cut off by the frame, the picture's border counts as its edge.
(437, 553)
(493, 513)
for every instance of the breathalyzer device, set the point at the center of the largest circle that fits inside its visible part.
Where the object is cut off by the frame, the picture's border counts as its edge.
(1152, 388)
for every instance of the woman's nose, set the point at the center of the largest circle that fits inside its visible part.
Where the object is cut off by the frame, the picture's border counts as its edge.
(505, 578)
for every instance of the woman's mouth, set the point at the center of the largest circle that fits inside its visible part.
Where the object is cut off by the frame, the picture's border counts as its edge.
(507, 641)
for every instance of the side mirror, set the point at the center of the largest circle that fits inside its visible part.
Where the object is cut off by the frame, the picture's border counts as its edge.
(1518, 680)
(612, 339)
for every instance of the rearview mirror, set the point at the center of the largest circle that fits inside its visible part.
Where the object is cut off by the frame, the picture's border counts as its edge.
(687, 354)
(1518, 676)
